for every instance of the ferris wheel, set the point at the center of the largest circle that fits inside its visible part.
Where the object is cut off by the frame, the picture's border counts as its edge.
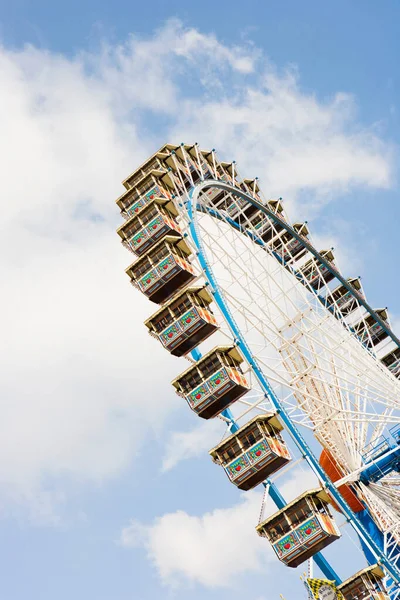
(282, 348)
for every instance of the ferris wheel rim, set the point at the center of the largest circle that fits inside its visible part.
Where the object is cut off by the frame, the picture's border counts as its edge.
(192, 209)
(209, 183)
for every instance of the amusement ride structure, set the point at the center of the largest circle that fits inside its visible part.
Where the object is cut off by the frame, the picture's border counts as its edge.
(282, 348)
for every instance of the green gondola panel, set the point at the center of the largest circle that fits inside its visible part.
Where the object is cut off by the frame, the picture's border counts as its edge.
(148, 227)
(253, 452)
(301, 529)
(184, 321)
(163, 270)
(214, 382)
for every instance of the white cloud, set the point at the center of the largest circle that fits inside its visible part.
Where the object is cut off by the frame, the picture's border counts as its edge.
(293, 142)
(76, 359)
(184, 445)
(205, 549)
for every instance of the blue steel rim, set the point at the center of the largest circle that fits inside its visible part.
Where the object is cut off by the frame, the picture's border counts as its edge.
(240, 341)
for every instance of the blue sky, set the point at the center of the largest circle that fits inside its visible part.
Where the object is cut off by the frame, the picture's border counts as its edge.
(304, 95)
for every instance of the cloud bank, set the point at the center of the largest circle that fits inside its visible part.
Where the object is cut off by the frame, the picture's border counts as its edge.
(205, 549)
(77, 363)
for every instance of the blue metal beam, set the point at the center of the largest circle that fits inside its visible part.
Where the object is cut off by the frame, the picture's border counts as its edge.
(391, 569)
(275, 494)
(382, 465)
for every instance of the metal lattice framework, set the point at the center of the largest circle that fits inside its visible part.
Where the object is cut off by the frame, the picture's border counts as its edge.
(312, 344)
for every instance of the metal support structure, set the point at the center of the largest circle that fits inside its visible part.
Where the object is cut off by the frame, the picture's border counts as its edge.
(275, 494)
(391, 569)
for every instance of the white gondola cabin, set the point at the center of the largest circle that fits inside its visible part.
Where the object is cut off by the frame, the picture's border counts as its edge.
(214, 382)
(342, 300)
(164, 270)
(317, 273)
(370, 331)
(184, 322)
(152, 224)
(392, 362)
(253, 452)
(365, 585)
(301, 529)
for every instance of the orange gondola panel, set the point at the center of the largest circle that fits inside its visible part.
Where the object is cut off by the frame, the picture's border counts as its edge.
(149, 226)
(214, 382)
(301, 529)
(253, 452)
(164, 270)
(184, 322)
(335, 473)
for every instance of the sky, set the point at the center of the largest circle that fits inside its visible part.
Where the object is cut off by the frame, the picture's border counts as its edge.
(106, 488)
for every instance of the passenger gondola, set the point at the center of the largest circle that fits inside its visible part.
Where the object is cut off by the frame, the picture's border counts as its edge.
(156, 162)
(184, 322)
(342, 299)
(182, 164)
(164, 270)
(392, 361)
(301, 529)
(289, 248)
(267, 228)
(214, 382)
(365, 585)
(316, 272)
(370, 332)
(154, 185)
(151, 225)
(253, 452)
